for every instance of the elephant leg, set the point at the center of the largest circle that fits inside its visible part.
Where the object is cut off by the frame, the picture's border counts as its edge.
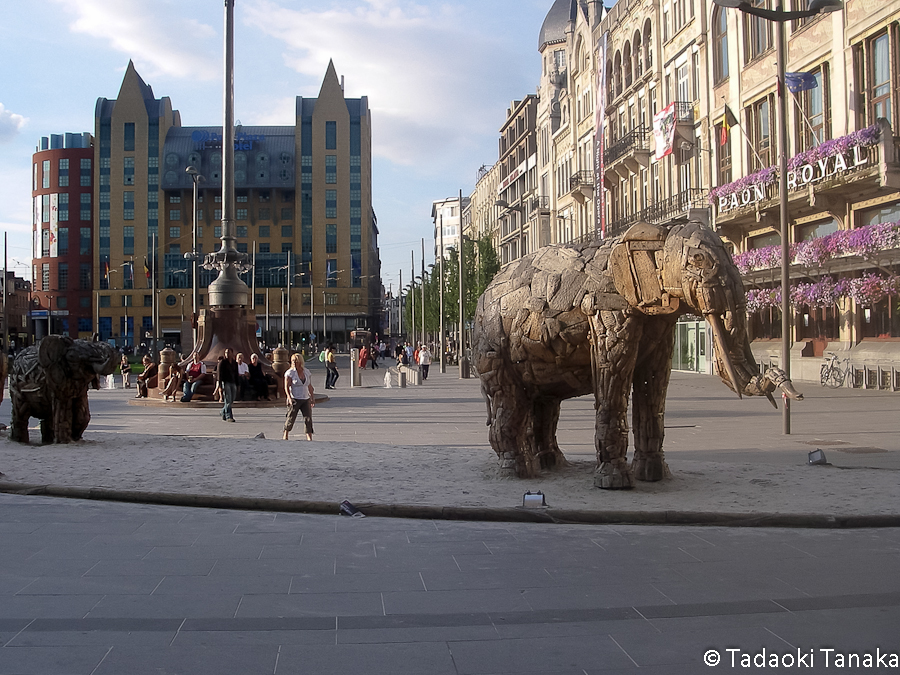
(615, 342)
(62, 421)
(507, 433)
(648, 402)
(81, 416)
(18, 424)
(544, 421)
(47, 437)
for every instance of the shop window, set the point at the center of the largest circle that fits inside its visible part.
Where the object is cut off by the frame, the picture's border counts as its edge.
(818, 323)
(765, 324)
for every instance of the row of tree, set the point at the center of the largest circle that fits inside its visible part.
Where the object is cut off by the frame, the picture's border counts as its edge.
(480, 265)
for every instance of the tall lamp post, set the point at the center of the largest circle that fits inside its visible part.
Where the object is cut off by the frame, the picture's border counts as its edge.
(779, 17)
(194, 257)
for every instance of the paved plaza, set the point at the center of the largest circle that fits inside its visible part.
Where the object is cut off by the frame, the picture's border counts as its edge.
(96, 587)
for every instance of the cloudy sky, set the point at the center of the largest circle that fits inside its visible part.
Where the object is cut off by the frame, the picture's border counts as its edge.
(439, 77)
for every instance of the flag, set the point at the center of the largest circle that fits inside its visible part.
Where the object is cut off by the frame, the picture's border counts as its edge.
(106, 270)
(728, 121)
(797, 82)
(146, 267)
(664, 131)
(129, 271)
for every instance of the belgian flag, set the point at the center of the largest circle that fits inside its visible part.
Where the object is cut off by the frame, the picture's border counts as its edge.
(728, 120)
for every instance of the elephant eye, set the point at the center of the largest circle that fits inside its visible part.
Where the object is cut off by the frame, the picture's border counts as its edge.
(699, 258)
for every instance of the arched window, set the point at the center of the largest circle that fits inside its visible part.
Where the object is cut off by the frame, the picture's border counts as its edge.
(638, 56)
(720, 45)
(617, 71)
(648, 46)
(626, 64)
(610, 95)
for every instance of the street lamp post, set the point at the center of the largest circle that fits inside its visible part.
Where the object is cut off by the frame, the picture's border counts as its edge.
(779, 17)
(195, 257)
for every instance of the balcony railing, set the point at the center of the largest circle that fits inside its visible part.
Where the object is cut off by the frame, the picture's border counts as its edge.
(662, 211)
(581, 178)
(539, 204)
(636, 139)
(684, 111)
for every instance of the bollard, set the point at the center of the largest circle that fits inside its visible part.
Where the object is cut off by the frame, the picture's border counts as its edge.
(355, 375)
(401, 378)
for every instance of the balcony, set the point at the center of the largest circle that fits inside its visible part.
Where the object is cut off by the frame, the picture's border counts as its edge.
(628, 154)
(677, 208)
(539, 205)
(581, 186)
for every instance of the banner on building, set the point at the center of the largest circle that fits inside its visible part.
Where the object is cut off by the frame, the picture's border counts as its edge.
(54, 225)
(599, 124)
(664, 131)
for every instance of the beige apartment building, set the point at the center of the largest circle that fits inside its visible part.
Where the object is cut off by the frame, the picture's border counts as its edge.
(711, 71)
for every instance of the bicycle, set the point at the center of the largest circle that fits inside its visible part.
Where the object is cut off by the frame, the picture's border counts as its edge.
(831, 374)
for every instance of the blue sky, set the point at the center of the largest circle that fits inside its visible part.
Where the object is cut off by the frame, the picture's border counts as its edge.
(439, 77)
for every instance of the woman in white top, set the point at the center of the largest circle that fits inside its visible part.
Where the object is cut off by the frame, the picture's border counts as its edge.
(424, 361)
(298, 391)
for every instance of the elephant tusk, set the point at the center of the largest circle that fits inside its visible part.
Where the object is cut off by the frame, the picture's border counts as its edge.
(771, 399)
(719, 336)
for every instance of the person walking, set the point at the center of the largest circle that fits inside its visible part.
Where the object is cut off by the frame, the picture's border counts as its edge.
(373, 356)
(193, 376)
(227, 378)
(299, 395)
(363, 357)
(148, 378)
(331, 371)
(125, 369)
(424, 361)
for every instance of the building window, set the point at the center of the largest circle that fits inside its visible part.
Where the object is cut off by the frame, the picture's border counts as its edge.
(815, 118)
(331, 272)
(63, 173)
(720, 45)
(242, 247)
(128, 205)
(45, 277)
(63, 241)
(175, 232)
(84, 276)
(217, 231)
(265, 214)
(105, 301)
(757, 32)
(148, 301)
(264, 247)
(86, 172)
(353, 298)
(217, 214)
(174, 214)
(62, 276)
(331, 298)
(287, 230)
(331, 203)
(85, 206)
(287, 248)
(241, 197)
(241, 214)
(128, 240)
(880, 78)
(761, 148)
(129, 137)
(331, 135)
(287, 214)
(264, 231)
(45, 173)
(241, 230)
(724, 154)
(331, 169)
(331, 243)
(84, 241)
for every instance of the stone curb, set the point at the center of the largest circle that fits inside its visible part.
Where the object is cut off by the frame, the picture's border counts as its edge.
(469, 513)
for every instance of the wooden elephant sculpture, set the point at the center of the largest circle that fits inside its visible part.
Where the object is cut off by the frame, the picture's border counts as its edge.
(600, 318)
(50, 381)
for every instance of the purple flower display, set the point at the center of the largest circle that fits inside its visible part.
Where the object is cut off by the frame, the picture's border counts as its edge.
(865, 291)
(867, 242)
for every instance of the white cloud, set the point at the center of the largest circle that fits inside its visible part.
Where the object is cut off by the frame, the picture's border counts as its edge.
(162, 40)
(10, 124)
(430, 76)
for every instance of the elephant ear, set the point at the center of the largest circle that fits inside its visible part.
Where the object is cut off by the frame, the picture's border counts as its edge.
(635, 263)
(52, 349)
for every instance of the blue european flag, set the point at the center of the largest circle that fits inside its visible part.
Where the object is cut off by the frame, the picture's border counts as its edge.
(797, 82)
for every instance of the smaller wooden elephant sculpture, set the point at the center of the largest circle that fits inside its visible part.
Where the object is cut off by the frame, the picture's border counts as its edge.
(50, 381)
